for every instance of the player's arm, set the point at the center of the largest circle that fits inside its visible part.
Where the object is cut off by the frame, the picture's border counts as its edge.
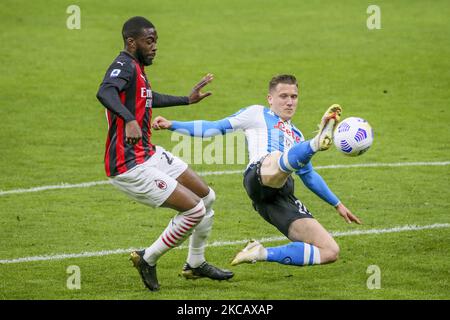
(314, 182)
(243, 119)
(164, 100)
(108, 94)
(196, 128)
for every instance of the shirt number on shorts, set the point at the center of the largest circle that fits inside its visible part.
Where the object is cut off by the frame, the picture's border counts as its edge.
(301, 207)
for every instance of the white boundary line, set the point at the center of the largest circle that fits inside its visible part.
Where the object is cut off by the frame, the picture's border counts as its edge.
(64, 256)
(209, 173)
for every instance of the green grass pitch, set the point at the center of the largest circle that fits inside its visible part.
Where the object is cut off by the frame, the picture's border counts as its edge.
(53, 131)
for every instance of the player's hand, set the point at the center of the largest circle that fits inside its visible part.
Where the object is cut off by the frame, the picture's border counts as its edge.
(133, 132)
(161, 123)
(347, 214)
(196, 95)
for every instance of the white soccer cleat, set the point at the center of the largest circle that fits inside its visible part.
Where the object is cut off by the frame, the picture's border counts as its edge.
(330, 119)
(253, 251)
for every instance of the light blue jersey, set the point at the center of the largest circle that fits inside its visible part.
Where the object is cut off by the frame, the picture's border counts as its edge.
(265, 132)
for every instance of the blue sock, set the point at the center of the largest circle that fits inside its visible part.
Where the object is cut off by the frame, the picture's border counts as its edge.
(294, 253)
(296, 157)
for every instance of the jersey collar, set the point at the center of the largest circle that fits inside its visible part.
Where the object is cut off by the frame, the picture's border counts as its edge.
(279, 118)
(133, 57)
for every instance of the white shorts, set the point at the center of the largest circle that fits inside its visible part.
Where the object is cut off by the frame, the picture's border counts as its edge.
(153, 181)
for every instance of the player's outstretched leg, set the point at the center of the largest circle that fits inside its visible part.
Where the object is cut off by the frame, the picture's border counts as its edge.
(300, 154)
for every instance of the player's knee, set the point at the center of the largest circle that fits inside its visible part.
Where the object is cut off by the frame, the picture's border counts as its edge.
(201, 208)
(195, 214)
(329, 253)
(209, 199)
(333, 252)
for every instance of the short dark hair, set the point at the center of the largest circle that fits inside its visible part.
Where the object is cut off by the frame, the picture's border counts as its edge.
(282, 78)
(133, 27)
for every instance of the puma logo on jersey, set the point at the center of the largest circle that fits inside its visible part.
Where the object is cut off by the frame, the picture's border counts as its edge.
(121, 63)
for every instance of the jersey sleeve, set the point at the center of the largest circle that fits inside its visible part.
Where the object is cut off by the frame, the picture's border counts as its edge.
(245, 118)
(201, 128)
(314, 182)
(119, 74)
(164, 100)
(117, 77)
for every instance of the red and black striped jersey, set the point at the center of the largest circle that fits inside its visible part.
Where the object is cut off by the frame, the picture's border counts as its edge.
(128, 77)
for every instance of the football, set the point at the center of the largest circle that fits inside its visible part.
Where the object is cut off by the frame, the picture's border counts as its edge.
(353, 136)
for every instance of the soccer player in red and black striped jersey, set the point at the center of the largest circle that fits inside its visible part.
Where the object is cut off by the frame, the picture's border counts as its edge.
(149, 173)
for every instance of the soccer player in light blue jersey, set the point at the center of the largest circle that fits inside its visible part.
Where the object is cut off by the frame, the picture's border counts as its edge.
(276, 150)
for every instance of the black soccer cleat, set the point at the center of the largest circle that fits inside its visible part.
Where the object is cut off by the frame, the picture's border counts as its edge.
(206, 270)
(147, 272)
